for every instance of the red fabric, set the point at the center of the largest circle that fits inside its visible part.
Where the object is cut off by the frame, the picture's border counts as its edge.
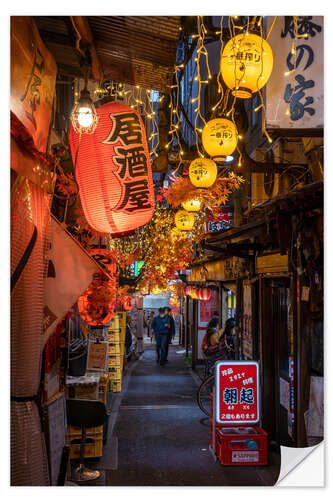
(25, 141)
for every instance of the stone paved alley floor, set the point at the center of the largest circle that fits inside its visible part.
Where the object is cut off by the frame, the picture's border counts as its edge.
(158, 436)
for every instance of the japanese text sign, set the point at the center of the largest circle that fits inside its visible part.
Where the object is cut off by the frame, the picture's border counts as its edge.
(33, 80)
(223, 221)
(296, 82)
(237, 392)
(97, 356)
(114, 171)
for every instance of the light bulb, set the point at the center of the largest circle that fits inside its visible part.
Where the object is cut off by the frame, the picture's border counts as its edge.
(85, 117)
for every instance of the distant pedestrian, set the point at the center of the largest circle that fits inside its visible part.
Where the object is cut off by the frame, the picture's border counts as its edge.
(213, 325)
(152, 315)
(172, 329)
(215, 344)
(214, 322)
(160, 327)
(128, 337)
(229, 337)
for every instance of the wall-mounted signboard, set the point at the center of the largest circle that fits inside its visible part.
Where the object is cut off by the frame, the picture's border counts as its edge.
(301, 91)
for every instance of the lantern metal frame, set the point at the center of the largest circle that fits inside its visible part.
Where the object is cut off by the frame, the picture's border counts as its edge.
(85, 101)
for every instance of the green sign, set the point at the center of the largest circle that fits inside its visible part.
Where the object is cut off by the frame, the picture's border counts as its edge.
(137, 266)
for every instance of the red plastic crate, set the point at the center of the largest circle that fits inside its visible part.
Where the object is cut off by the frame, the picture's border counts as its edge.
(241, 445)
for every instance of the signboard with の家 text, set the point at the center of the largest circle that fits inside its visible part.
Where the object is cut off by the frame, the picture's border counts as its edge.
(295, 90)
(237, 392)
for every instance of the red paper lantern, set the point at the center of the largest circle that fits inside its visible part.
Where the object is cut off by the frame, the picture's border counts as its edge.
(204, 294)
(126, 302)
(188, 290)
(94, 316)
(89, 310)
(113, 170)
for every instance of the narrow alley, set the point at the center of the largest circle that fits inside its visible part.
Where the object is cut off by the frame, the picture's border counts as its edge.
(166, 193)
(160, 437)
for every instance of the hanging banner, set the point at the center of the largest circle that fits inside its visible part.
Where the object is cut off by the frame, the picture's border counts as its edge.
(114, 171)
(237, 392)
(32, 79)
(302, 90)
(70, 272)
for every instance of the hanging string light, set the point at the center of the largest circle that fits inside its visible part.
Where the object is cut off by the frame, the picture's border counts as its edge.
(219, 75)
(138, 98)
(201, 51)
(175, 117)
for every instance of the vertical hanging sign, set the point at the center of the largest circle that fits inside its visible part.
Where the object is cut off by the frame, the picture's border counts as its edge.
(301, 91)
(237, 392)
(33, 72)
(113, 171)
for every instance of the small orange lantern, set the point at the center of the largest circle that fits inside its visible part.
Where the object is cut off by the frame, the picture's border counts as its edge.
(202, 172)
(192, 205)
(184, 220)
(92, 315)
(219, 138)
(246, 64)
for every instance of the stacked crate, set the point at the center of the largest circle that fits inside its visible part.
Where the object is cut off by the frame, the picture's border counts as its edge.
(115, 359)
(122, 327)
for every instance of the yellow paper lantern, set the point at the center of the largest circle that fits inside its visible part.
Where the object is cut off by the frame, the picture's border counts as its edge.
(194, 294)
(184, 220)
(192, 205)
(219, 137)
(202, 172)
(246, 64)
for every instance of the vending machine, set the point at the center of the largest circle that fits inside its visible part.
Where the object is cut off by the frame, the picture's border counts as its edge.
(235, 438)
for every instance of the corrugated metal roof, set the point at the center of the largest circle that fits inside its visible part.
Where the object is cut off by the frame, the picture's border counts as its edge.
(142, 48)
(138, 50)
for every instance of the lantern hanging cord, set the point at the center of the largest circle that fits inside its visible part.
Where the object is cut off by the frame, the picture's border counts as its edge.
(271, 28)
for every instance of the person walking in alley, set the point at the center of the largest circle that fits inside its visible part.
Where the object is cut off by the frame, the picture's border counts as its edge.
(172, 330)
(160, 327)
(150, 320)
(213, 325)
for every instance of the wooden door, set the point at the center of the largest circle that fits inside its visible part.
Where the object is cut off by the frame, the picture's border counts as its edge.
(275, 352)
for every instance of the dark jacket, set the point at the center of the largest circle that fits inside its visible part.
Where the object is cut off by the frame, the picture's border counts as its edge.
(158, 325)
(172, 330)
